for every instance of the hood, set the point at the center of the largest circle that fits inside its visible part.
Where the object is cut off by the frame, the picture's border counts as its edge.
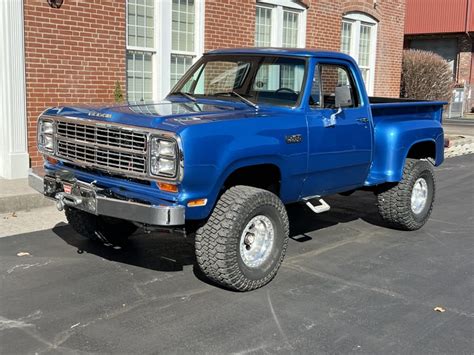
(166, 115)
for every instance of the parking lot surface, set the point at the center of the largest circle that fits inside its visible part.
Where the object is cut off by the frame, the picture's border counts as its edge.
(348, 285)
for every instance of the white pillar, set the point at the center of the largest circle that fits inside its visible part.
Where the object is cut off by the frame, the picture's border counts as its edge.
(14, 159)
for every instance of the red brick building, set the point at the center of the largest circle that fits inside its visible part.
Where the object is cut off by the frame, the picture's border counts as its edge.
(445, 27)
(81, 51)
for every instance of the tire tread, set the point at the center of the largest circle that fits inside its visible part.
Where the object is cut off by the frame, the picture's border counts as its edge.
(215, 247)
(393, 202)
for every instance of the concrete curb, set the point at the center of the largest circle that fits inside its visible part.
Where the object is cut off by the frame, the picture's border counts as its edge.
(9, 204)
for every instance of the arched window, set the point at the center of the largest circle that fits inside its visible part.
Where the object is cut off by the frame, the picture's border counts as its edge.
(359, 40)
(164, 38)
(280, 23)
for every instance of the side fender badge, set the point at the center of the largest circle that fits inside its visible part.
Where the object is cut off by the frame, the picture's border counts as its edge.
(294, 138)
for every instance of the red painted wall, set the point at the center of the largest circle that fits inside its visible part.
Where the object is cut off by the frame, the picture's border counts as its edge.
(438, 16)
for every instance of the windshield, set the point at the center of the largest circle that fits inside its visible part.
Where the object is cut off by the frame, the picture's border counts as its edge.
(259, 79)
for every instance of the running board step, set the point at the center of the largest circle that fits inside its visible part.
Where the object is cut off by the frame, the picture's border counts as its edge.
(323, 207)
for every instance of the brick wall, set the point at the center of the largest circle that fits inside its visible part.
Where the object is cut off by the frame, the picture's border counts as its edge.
(464, 74)
(229, 23)
(465, 69)
(323, 24)
(471, 79)
(391, 15)
(74, 54)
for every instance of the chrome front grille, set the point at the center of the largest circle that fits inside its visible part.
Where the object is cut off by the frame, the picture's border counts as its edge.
(112, 137)
(109, 148)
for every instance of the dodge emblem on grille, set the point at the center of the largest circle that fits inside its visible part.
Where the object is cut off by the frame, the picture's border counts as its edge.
(99, 114)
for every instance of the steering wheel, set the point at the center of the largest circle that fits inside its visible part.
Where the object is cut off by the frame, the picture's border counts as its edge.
(286, 89)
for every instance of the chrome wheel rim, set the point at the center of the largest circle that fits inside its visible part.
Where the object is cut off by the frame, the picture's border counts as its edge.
(256, 241)
(419, 196)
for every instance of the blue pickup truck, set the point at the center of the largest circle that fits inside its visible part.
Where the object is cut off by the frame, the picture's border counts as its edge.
(244, 132)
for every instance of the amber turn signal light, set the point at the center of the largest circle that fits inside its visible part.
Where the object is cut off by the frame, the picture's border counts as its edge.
(197, 203)
(163, 186)
(52, 160)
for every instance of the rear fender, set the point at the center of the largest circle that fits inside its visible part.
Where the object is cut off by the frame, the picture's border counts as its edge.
(393, 145)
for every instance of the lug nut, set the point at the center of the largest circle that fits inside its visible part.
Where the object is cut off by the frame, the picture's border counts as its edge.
(249, 239)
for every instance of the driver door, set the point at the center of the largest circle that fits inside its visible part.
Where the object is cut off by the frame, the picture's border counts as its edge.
(340, 132)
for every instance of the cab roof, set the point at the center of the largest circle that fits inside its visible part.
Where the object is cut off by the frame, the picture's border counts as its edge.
(295, 52)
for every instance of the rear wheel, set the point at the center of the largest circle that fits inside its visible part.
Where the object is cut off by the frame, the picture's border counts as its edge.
(99, 228)
(244, 241)
(408, 204)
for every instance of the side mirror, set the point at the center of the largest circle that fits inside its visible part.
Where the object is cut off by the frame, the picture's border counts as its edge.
(343, 96)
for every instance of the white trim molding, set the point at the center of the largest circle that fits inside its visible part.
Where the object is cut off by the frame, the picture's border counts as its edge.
(285, 3)
(14, 158)
(357, 21)
(161, 51)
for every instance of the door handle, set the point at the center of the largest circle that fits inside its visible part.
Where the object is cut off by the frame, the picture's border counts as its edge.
(363, 120)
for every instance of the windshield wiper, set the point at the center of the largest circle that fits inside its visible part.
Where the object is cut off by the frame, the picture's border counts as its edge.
(243, 99)
(185, 94)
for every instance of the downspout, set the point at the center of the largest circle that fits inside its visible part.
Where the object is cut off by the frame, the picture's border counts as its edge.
(466, 21)
(466, 31)
(466, 26)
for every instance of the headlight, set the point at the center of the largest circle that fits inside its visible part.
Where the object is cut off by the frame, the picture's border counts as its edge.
(163, 154)
(47, 142)
(162, 166)
(46, 136)
(47, 127)
(160, 147)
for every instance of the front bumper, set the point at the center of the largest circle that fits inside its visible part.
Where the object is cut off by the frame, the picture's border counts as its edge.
(66, 190)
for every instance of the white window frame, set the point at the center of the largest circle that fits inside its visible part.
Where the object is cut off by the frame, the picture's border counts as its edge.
(161, 58)
(357, 19)
(278, 6)
(148, 50)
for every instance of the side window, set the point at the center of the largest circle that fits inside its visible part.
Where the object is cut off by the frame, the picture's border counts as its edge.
(333, 87)
(315, 98)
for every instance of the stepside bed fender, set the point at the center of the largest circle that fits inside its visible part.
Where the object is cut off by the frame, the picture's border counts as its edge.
(397, 141)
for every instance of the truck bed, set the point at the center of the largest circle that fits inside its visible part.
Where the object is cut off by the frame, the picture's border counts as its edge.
(388, 100)
(405, 109)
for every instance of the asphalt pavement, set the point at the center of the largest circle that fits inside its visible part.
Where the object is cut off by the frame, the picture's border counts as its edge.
(348, 285)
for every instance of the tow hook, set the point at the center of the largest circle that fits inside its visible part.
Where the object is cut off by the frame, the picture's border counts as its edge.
(63, 199)
(60, 204)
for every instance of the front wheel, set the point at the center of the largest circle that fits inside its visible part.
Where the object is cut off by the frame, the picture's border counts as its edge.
(243, 243)
(408, 204)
